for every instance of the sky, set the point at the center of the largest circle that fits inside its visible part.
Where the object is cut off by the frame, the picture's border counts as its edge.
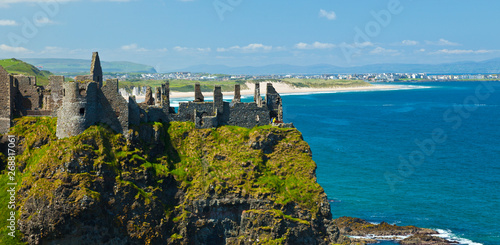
(176, 34)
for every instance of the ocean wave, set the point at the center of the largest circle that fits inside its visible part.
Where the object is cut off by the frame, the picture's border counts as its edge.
(445, 234)
(382, 238)
(448, 235)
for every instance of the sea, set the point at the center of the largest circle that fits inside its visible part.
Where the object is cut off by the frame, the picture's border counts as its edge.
(426, 154)
(423, 154)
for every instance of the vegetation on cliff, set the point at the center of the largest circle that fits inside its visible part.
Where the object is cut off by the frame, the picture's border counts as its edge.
(167, 184)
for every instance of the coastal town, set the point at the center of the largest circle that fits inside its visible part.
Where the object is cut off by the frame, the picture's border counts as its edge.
(370, 77)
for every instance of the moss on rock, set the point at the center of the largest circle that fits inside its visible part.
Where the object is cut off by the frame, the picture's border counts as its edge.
(184, 185)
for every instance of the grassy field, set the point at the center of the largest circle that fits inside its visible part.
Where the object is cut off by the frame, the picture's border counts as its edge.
(15, 66)
(185, 85)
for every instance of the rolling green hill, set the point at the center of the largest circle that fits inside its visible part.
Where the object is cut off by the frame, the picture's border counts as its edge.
(15, 66)
(62, 66)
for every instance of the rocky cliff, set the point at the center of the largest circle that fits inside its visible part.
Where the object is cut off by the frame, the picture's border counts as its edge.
(167, 184)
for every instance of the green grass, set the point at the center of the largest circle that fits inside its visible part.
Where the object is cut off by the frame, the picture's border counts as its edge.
(205, 163)
(14, 66)
(185, 85)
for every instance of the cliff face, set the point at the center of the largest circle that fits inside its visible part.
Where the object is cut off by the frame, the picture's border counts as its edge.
(168, 185)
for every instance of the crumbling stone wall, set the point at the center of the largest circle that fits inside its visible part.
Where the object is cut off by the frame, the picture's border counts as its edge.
(6, 105)
(28, 95)
(274, 103)
(53, 95)
(86, 102)
(134, 112)
(186, 111)
(248, 115)
(114, 109)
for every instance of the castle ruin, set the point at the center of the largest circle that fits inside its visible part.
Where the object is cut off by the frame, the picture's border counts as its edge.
(88, 101)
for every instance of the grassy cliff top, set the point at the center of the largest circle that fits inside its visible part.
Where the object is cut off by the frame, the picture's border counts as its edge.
(15, 66)
(263, 163)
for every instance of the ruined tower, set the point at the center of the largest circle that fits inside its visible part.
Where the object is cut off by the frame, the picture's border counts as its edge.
(165, 96)
(237, 93)
(274, 103)
(256, 96)
(79, 109)
(218, 100)
(96, 70)
(198, 96)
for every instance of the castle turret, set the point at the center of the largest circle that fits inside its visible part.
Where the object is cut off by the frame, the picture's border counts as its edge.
(71, 116)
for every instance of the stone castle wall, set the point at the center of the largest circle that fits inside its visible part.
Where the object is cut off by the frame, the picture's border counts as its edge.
(114, 109)
(5, 101)
(86, 102)
(28, 95)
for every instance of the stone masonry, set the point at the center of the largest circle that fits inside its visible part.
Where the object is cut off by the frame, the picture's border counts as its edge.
(88, 101)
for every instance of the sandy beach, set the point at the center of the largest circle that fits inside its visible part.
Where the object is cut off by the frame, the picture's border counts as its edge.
(284, 88)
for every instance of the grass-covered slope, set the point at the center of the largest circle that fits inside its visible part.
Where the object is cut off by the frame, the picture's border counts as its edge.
(14, 66)
(83, 66)
(173, 185)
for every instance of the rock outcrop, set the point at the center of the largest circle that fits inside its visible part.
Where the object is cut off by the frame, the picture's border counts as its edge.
(169, 184)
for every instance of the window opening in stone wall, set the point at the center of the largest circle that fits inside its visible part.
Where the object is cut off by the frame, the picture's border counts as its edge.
(82, 111)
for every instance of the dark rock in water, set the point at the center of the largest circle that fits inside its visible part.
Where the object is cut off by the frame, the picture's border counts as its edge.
(358, 227)
(424, 239)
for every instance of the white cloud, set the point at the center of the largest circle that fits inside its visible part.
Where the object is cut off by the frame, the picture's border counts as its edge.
(409, 42)
(442, 42)
(11, 49)
(133, 47)
(44, 21)
(8, 23)
(315, 45)
(380, 50)
(330, 15)
(463, 51)
(186, 49)
(363, 44)
(254, 47)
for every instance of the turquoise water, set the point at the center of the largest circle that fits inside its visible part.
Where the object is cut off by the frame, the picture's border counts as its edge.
(452, 183)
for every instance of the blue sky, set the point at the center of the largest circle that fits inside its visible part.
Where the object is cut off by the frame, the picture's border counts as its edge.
(174, 34)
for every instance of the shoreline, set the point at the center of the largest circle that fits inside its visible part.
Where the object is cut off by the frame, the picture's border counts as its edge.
(285, 89)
